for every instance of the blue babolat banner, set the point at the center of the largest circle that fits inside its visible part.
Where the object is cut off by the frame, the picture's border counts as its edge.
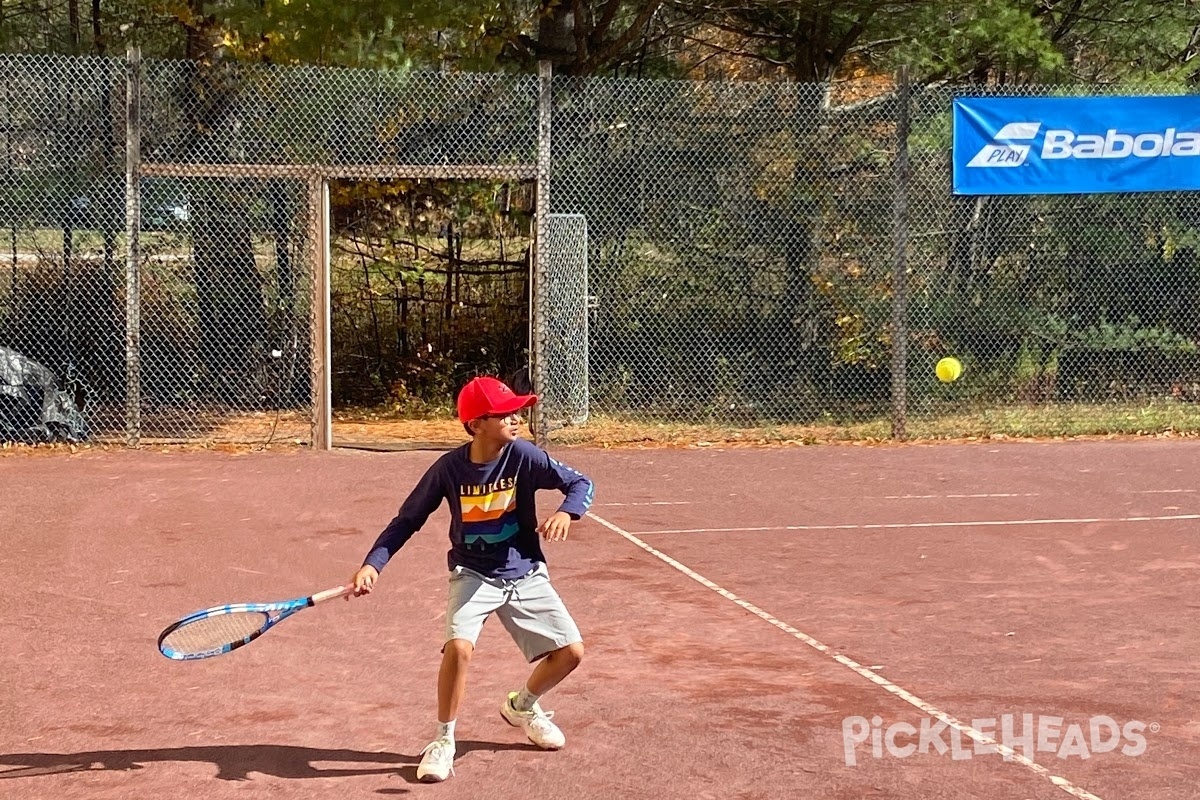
(1076, 145)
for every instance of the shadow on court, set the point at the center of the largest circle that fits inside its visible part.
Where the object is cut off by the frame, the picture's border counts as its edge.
(236, 762)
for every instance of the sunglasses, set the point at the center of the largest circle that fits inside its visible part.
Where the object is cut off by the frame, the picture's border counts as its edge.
(516, 414)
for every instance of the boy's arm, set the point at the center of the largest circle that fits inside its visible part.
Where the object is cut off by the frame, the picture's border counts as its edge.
(424, 499)
(550, 474)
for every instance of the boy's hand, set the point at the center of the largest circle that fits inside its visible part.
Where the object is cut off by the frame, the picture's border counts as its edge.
(555, 528)
(363, 581)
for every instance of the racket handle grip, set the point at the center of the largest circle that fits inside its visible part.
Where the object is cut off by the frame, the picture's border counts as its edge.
(329, 594)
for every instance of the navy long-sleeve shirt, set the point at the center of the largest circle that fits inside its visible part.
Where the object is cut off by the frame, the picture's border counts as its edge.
(493, 525)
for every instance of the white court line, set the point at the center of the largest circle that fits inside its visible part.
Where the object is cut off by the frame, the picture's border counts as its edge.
(865, 672)
(1010, 494)
(952, 496)
(883, 497)
(905, 525)
(902, 497)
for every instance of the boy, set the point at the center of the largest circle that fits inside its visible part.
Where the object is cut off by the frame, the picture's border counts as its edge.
(495, 560)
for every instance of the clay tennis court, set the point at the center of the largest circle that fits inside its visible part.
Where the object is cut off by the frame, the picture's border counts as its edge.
(739, 606)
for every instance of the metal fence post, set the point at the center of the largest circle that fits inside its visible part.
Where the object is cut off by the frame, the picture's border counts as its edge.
(133, 323)
(537, 294)
(900, 262)
(322, 423)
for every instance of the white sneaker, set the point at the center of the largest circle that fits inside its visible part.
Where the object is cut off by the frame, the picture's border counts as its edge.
(437, 761)
(538, 727)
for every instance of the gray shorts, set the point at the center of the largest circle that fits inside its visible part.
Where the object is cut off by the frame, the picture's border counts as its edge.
(529, 608)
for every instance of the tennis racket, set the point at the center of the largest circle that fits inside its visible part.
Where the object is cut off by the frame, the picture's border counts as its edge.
(221, 629)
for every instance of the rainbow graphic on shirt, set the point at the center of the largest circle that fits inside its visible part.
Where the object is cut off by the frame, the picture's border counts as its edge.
(489, 512)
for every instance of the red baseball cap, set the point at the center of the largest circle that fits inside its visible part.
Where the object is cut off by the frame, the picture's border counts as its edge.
(482, 396)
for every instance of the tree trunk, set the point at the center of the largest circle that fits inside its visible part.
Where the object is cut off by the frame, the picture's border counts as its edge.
(229, 289)
(73, 22)
(229, 296)
(556, 33)
(98, 42)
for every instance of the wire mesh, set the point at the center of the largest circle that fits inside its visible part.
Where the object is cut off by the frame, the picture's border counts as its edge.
(742, 248)
(703, 203)
(62, 217)
(226, 289)
(1079, 303)
(713, 252)
(253, 114)
(564, 397)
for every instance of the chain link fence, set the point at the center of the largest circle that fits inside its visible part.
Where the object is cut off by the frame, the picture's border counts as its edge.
(62, 245)
(1082, 305)
(566, 384)
(736, 254)
(748, 243)
(718, 237)
(225, 310)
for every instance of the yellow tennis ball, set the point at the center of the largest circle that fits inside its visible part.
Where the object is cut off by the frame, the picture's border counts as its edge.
(949, 369)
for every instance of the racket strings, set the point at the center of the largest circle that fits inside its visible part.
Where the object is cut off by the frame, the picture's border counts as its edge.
(212, 632)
